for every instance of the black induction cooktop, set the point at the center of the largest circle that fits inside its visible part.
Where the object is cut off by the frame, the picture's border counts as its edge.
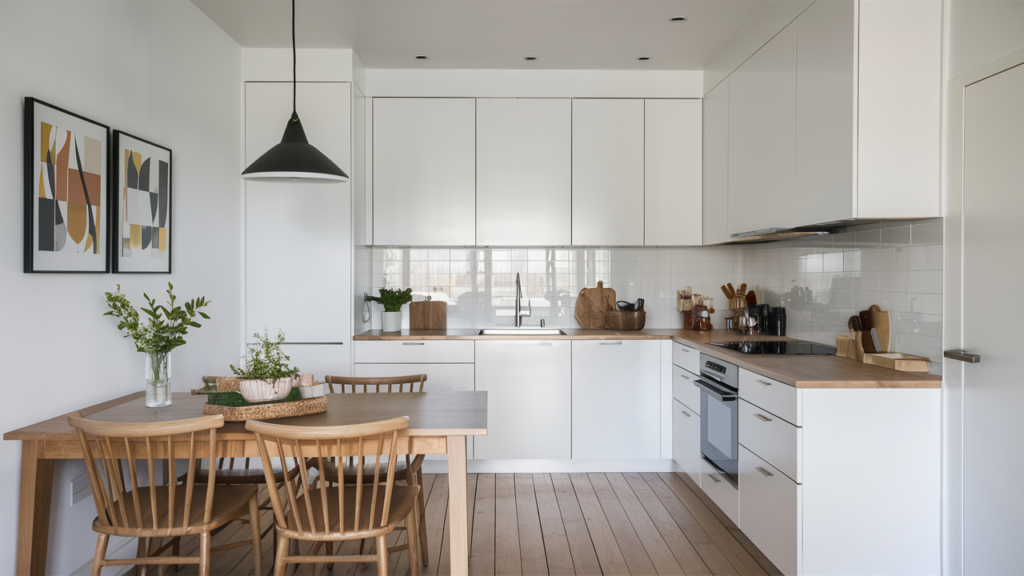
(788, 348)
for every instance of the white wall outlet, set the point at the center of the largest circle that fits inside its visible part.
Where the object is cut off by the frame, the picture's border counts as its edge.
(80, 489)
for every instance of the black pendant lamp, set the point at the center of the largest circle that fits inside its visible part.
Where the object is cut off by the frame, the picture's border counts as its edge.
(294, 158)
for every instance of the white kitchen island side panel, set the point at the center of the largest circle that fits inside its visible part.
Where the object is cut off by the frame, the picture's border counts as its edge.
(871, 481)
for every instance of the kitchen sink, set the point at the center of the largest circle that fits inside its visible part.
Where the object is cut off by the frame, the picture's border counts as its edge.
(521, 332)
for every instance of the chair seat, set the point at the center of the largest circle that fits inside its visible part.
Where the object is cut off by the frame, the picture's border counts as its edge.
(331, 469)
(240, 476)
(403, 498)
(229, 502)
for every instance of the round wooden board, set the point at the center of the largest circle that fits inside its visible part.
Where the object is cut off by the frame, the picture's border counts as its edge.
(269, 411)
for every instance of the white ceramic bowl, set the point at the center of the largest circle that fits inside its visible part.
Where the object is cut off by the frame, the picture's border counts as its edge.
(265, 390)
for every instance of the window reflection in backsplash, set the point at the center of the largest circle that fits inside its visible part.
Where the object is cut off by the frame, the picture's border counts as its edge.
(821, 281)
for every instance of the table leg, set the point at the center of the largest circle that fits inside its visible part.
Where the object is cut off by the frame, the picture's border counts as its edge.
(34, 509)
(458, 508)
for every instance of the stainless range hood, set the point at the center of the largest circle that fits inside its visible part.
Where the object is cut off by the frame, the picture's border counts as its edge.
(775, 234)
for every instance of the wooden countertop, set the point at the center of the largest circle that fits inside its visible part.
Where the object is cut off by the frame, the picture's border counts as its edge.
(797, 371)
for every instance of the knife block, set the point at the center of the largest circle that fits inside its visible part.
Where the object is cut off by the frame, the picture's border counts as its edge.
(850, 346)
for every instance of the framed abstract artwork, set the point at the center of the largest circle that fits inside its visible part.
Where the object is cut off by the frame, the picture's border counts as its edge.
(142, 206)
(66, 191)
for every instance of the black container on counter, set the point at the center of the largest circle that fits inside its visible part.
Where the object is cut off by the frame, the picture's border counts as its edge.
(777, 321)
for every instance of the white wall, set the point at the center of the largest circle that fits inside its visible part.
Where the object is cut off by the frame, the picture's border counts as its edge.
(162, 71)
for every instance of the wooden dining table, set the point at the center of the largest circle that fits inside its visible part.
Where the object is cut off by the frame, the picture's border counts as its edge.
(439, 423)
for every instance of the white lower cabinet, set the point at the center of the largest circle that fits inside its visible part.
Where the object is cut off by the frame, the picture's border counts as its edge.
(529, 399)
(686, 439)
(771, 511)
(616, 386)
(720, 490)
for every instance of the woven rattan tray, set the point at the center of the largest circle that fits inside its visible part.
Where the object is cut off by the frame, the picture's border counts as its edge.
(269, 411)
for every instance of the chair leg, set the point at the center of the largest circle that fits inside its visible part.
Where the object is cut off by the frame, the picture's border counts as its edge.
(204, 554)
(313, 552)
(330, 552)
(281, 557)
(141, 551)
(382, 556)
(412, 529)
(423, 516)
(254, 528)
(176, 551)
(101, 552)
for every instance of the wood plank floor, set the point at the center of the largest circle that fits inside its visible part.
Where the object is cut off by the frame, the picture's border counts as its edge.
(557, 525)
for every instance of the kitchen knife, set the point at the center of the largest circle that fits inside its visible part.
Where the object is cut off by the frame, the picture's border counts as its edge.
(875, 340)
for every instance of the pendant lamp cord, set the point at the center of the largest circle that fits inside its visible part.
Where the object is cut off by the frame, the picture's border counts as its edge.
(294, 65)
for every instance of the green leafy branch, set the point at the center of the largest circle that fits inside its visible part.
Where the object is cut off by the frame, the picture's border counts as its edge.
(167, 325)
(265, 360)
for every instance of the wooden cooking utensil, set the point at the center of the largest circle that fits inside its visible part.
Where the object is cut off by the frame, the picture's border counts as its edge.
(751, 298)
(743, 288)
(732, 291)
(866, 324)
(726, 292)
(880, 322)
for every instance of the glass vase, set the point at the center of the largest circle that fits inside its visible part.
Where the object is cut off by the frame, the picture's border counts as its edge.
(158, 379)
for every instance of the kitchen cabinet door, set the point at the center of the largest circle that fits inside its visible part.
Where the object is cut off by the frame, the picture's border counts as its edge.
(529, 399)
(616, 401)
(715, 204)
(607, 172)
(824, 113)
(301, 227)
(672, 172)
(686, 439)
(524, 172)
(424, 171)
(762, 132)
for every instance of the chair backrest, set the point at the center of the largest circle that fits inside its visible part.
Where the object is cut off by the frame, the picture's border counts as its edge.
(118, 502)
(392, 382)
(322, 443)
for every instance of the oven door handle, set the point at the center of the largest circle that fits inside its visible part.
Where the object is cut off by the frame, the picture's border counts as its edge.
(720, 393)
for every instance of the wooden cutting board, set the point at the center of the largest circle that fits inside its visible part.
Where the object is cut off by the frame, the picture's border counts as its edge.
(591, 305)
(867, 320)
(880, 322)
(428, 315)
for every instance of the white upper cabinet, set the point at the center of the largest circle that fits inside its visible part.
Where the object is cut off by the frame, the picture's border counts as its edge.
(672, 172)
(607, 172)
(524, 172)
(762, 138)
(424, 171)
(824, 113)
(715, 203)
(298, 226)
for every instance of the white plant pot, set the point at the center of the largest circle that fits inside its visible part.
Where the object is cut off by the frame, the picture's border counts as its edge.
(391, 321)
(265, 390)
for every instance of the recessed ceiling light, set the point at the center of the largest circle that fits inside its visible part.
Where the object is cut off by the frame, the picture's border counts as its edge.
(530, 58)
(678, 19)
(421, 57)
(644, 58)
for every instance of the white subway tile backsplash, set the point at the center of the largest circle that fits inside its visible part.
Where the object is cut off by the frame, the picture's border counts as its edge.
(896, 236)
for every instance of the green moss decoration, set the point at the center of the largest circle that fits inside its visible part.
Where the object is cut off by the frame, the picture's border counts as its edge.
(235, 399)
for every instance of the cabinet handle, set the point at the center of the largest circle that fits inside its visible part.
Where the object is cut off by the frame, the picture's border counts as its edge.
(684, 349)
(685, 413)
(712, 476)
(766, 473)
(684, 377)
(412, 343)
(616, 343)
(765, 382)
(762, 418)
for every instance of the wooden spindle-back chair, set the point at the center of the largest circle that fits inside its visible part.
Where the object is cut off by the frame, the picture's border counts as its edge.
(126, 509)
(328, 514)
(412, 467)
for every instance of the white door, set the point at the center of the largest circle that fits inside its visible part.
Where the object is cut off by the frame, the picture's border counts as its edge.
(298, 236)
(616, 399)
(529, 396)
(424, 171)
(672, 168)
(715, 204)
(523, 172)
(993, 502)
(607, 172)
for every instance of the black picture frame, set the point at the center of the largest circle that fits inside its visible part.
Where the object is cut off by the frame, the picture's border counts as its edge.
(118, 186)
(38, 260)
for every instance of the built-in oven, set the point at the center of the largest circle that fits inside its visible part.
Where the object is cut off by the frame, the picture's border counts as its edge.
(719, 415)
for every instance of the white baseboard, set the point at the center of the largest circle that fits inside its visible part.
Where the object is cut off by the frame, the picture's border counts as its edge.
(549, 466)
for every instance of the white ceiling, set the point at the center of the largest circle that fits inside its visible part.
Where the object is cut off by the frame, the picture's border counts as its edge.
(496, 34)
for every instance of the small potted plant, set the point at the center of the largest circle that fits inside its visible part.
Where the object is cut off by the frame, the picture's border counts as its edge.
(165, 331)
(392, 300)
(266, 376)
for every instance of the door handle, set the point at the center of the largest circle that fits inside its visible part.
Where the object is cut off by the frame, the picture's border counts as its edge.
(766, 473)
(712, 476)
(616, 343)
(765, 382)
(684, 377)
(962, 355)
(412, 343)
(685, 413)
(762, 418)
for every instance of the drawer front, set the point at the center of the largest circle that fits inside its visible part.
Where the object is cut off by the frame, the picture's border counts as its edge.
(771, 508)
(771, 438)
(684, 390)
(413, 351)
(686, 357)
(774, 396)
(721, 492)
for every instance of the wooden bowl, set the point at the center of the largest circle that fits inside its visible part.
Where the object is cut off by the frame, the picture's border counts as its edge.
(617, 320)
